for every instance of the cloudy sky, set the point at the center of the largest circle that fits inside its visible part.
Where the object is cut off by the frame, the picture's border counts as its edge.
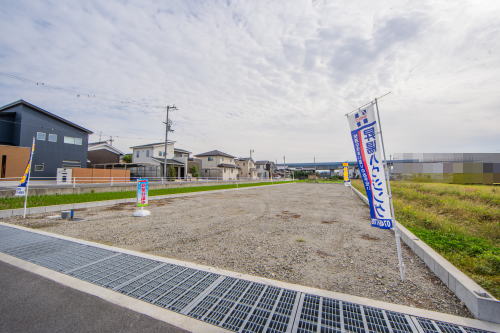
(273, 76)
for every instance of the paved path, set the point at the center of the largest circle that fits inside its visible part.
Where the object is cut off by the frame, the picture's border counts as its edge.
(229, 302)
(31, 303)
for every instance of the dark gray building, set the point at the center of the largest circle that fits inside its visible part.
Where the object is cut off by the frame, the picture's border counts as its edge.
(59, 142)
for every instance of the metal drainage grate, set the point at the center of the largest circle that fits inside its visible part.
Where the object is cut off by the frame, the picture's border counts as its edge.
(231, 303)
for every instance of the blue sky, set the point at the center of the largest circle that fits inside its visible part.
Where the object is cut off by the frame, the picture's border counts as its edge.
(273, 76)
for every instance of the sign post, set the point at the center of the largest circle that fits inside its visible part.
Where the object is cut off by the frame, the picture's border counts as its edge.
(347, 181)
(23, 188)
(366, 134)
(142, 198)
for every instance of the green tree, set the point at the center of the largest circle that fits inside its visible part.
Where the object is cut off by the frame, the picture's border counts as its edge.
(171, 171)
(127, 158)
(194, 171)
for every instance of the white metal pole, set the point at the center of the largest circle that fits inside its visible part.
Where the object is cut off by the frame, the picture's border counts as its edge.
(26, 199)
(28, 180)
(397, 233)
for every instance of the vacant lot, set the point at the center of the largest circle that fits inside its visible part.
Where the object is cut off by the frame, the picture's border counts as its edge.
(312, 234)
(461, 222)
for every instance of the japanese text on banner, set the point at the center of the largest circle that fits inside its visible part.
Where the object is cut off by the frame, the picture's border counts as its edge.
(142, 192)
(368, 148)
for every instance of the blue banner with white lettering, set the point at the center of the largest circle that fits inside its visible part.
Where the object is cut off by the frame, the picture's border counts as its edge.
(368, 148)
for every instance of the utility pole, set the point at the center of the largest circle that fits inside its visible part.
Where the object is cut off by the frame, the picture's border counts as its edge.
(111, 140)
(251, 151)
(314, 164)
(284, 166)
(168, 128)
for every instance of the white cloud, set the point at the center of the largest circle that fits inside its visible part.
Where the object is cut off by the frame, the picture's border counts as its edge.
(277, 77)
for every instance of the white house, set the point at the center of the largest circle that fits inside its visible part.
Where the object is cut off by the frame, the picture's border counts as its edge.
(265, 169)
(153, 154)
(216, 164)
(247, 168)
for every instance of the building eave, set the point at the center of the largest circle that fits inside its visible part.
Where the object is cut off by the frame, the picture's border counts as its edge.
(47, 113)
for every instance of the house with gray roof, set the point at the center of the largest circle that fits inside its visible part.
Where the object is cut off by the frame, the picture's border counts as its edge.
(219, 165)
(152, 155)
(59, 142)
(103, 152)
(265, 169)
(247, 168)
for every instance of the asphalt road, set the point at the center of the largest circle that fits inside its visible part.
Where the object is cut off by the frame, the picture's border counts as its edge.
(31, 303)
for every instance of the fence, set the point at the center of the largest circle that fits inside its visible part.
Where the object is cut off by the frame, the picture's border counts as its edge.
(51, 182)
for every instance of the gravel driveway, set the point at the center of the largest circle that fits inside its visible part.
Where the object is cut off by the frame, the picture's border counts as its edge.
(317, 235)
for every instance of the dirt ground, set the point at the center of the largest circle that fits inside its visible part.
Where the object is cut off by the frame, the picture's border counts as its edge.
(317, 235)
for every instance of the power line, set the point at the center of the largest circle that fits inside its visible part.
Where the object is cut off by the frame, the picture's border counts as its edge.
(100, 134)
(79, 94)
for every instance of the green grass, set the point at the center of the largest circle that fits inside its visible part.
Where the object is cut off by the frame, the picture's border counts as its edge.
(461, 222)
(319, 181)
(49, 200)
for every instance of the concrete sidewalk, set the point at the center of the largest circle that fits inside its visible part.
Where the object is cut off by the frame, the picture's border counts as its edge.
(31, 303)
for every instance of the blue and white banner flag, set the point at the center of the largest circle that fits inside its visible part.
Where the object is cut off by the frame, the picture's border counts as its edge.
(21, 189)
(368, 148)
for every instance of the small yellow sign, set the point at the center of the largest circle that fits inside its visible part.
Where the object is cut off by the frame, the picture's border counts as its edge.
(346, 173)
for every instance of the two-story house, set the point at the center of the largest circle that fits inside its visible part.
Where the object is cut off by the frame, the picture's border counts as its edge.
(153, 155)
(59, 142)
(247, 168)
(265, 169)
(216, 164)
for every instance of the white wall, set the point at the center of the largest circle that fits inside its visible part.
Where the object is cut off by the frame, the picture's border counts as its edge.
(154, 151)
(206, 164)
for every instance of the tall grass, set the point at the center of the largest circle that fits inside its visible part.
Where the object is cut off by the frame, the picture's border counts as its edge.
(461, 222)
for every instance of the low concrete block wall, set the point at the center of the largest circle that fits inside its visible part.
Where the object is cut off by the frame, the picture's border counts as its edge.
(481, 303)
(93, 188)
(5, 213)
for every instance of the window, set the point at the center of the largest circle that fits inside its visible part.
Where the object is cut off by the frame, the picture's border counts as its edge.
(73, 141)
(137, 154)
(71, 164)
(39, 167)
(147, 153)
(40, 136)
(210, 158)
(52, 137)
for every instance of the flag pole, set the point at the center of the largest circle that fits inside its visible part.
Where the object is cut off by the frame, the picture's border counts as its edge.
(397, 232)
(28, 179)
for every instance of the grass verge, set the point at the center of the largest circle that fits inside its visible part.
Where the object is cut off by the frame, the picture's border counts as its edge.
(319, 181)
(461, 222)
(49, 200)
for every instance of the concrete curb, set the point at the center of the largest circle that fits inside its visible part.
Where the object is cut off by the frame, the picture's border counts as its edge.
(81, 188)
(5, 213)
(481, 303)
(94, 290)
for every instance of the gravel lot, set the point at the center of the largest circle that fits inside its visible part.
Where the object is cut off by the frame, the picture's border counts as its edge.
(317, 235)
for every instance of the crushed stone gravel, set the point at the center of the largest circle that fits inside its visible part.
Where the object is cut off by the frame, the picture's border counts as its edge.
(318, 235)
